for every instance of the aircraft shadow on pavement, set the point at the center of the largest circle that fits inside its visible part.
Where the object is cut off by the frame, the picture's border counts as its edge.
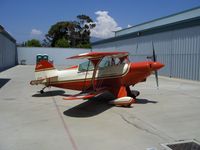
(96, 106)
(50, 93)
(89, 108)
(3, 81)
(144, 101)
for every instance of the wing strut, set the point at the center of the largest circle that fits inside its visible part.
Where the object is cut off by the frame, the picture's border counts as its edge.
(86, 76)
(95, 62)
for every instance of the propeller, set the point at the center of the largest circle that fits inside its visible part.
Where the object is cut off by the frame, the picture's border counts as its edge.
(154, 60)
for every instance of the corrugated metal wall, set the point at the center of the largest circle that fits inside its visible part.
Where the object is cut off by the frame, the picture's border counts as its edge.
(58, 55)
(179, 50)
(8, 53)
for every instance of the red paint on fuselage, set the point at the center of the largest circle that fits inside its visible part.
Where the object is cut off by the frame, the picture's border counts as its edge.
(85, 84)
(137, 72)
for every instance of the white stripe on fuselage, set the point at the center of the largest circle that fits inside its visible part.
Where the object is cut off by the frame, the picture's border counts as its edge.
(111, 71)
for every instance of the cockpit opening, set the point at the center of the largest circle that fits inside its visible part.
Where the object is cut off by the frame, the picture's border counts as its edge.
(105, 62)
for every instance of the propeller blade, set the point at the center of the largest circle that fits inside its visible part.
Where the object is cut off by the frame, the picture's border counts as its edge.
(154, 54)
(154, 59)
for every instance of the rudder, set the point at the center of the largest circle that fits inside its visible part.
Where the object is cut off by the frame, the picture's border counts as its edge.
(44, 69)
(43, 65)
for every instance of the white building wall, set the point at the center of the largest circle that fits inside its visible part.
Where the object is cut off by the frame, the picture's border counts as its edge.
(58, 55)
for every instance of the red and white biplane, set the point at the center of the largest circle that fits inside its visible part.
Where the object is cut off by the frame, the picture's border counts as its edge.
(104, 72)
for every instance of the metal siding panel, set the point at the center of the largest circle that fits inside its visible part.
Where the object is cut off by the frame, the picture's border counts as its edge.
(181, 68)
(192, 77)
(193, 59)
(198, 47)
(179, 50)
(191, 68)
(198, 66)
(172, 68)
(1, 52)
(7, 53)
(183, 45)
(186, 64)
(187, 68)
(195, 69)
(105, 47)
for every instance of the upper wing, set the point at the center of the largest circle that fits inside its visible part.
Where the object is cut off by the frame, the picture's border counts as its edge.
(86, 95)
(93, 55)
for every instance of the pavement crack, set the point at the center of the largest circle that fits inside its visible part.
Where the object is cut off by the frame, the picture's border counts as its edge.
(151, 129)
(65, 125)
(127, 121)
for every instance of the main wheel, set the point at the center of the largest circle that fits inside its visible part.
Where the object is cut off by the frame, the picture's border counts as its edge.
(135, 93)
(132, 93)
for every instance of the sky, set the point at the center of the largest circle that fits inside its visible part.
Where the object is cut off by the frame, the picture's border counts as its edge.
(28, 19)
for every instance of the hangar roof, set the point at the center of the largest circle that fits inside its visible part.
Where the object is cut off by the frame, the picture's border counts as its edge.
(6, 34)
(185, 15)
(179, 20)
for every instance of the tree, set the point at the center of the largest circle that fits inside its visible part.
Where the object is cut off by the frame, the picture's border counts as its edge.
(85, 24)
(62, 43)
(33, 43)
(75, 33)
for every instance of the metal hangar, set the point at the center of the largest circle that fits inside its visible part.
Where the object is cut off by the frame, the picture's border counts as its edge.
(176, 40)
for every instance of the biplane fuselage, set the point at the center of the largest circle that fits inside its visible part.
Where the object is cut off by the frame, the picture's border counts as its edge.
(113, 76)
(116, 75)
(74, 79)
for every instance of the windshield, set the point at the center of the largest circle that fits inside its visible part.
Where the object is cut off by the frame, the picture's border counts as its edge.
(85, 66)
(105, 62)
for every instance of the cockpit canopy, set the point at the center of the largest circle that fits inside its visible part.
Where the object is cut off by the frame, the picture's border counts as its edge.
(105, 62)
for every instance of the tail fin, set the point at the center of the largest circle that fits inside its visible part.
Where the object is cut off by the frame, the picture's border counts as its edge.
(43, 65)
(44, 69)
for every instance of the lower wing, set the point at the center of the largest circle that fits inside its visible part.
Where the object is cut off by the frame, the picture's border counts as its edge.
(86, 94)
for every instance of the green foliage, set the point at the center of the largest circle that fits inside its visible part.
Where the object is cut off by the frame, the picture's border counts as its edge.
(33, 43)
(84, 45)
(76, 33)
(62, 43)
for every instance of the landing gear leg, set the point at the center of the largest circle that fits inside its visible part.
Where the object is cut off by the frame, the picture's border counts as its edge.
(132, 93)
(42, 91)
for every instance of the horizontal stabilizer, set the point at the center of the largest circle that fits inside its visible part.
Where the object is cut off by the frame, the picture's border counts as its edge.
(36, 82)
(44, 80)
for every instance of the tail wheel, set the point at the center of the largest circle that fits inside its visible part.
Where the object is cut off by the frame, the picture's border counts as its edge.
(41, 91)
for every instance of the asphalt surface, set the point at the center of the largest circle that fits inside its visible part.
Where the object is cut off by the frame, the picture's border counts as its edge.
(30, 121)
